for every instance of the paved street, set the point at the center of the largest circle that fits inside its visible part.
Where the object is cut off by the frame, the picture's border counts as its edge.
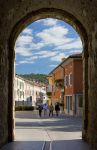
(46, 133)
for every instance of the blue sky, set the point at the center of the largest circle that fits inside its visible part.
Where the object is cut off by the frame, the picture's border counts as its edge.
(41, 46)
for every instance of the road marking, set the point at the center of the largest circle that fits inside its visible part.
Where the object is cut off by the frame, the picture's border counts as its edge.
(43, 146)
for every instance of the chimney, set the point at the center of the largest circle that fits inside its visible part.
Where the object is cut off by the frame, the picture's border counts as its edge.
(63, 58)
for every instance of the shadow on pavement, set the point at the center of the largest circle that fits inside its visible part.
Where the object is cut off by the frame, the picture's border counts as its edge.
(52, 124)
(70, 145)
(56, 145)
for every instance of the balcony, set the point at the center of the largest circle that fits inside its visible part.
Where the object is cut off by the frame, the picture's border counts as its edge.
(49, 90)
(59, 84)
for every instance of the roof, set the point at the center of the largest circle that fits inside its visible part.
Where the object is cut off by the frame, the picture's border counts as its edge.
(29, 81)
(77, 55)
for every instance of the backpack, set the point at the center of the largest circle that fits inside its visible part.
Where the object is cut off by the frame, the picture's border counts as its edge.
(40, 107)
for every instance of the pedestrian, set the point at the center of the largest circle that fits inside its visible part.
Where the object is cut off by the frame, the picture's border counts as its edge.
(57, 109)
(40, 108)
(51, 109)
(45, 107)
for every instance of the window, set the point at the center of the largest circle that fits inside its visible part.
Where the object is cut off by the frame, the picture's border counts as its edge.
(80, 100)
(70, 98)
(18, 92)
(23, 94)
(69, 102)
(70, 79)
(66, 102)
(32, 92)
(66, 80)
(20, 85)
(30, 98)
(70, 65)
(17, 82)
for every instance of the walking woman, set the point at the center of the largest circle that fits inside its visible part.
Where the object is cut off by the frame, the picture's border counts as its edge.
(45, 107)
(51, 109)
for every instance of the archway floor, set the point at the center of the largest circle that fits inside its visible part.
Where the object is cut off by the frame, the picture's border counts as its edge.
(32, 132)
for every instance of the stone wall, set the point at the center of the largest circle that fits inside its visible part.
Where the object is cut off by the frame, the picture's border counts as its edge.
(92, 91)
(15, 15)
(3, 94)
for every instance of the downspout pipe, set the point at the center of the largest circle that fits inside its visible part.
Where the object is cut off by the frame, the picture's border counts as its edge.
(64, 88)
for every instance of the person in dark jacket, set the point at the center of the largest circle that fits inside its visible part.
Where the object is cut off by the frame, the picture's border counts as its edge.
(40, 108)
(57, 108)
(51, 109)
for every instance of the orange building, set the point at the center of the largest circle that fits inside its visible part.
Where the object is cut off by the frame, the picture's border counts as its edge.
(67, 84)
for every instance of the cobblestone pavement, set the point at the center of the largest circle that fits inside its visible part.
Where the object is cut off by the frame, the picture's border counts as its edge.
(46, 133)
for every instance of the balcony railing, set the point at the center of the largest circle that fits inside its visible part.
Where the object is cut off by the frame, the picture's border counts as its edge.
(49, 88)
(49, 94)
(59, 83)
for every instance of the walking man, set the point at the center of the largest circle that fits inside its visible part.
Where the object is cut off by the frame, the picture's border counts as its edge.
(40, 108)
(57, 108)
(51, 109)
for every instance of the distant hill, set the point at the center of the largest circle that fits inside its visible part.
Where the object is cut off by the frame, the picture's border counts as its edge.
(35, 77)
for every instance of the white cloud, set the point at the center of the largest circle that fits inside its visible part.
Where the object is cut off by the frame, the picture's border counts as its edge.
(46, 54)
(28, 60)
(54, 36)
(74, 51)
(25, 62)
(53, 66)
(23, 43)
(75, 44)
(58, 57)
(23, 51)
(35, 46)
(50, 22)
(41, 52)
(32, 58)
(24, 40)
(27, 31)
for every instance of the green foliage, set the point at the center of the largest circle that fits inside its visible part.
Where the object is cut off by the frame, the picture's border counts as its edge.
(21, 108)
(35, 77)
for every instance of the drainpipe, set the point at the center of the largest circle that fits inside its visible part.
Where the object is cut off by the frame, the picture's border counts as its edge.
(64, 88)
(54, 84)
(53, 87)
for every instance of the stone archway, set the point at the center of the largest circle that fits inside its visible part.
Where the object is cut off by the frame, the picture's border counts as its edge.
(14, 16)
(31, 17)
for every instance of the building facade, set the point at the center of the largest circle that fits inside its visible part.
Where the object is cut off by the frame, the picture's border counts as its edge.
(67, 85)
(73, 85)
(19, 90)
(28, 93)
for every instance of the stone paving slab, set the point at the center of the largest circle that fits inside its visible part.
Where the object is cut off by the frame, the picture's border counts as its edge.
(31, 132)
(70, 145)
(24, 145)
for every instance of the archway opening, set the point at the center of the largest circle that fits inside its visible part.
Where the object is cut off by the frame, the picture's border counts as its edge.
(48, 13)
(41, 48)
